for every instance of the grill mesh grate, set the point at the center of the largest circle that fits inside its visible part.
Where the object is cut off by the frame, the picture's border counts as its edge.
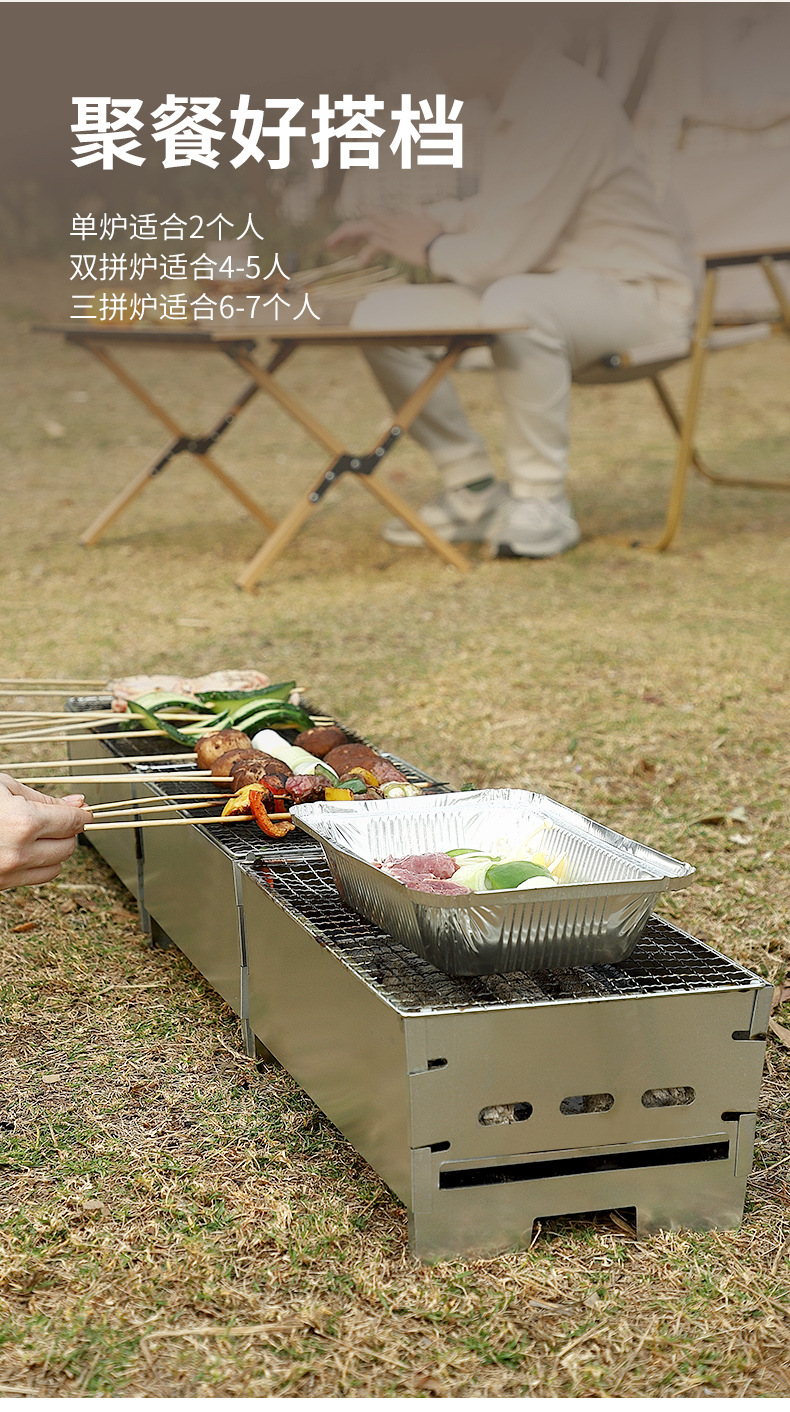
(295, 870)
(666, 959)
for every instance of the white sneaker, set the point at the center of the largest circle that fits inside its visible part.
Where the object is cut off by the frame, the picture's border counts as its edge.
(457, 515)
(532, 529)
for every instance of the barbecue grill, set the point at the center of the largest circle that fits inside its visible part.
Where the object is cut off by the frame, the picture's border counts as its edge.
(487, 1102)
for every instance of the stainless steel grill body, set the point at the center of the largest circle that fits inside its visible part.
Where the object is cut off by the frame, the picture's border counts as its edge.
(485, 1103)
(407, 1065)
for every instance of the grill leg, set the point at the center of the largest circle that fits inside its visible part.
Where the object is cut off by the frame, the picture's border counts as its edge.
(263, 1055)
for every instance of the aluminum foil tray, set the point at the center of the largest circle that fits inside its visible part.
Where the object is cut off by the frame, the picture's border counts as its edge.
(596, 918)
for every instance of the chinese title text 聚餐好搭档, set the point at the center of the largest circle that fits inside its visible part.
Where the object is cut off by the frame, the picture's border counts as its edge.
(190, 130)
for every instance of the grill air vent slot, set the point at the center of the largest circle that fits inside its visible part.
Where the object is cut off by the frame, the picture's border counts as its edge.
(667, 1097)
(505, 1113)
(591, 1162)
(587, 1103)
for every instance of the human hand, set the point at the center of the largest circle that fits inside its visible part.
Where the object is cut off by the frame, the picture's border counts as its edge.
(405, 234)
(37, 832)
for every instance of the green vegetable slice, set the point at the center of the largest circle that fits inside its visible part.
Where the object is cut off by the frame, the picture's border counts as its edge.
(274, 715)
(260, 707)
(195, 729)
(327, 770)
(152, 720)
(356, 786)
(502, 876)
(237, 715)
(254, 718)
(161, 701)
(227, 700)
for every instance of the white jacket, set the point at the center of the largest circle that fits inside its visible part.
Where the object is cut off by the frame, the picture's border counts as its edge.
(561, 186)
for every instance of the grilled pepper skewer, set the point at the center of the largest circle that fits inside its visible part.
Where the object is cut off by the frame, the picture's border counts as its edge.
(264, 821)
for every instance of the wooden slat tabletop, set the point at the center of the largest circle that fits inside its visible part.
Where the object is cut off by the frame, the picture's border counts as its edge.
(125, 333)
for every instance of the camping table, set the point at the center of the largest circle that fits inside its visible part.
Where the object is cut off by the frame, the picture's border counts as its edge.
(240, 345)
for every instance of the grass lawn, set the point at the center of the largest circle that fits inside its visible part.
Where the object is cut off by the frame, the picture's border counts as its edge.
(177, 1222)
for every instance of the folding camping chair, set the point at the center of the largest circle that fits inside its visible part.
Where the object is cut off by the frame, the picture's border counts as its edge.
(651, 362)
(736, 206)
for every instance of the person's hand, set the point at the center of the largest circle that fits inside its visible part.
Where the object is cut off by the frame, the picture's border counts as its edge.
(37, 832)
(405, 234)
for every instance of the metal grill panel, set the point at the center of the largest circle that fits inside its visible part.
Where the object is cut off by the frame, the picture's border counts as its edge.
(666, 961)
(404, 1059)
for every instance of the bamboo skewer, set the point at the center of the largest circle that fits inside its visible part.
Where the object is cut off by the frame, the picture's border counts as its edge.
(174, 823)
(43, 729)
(81, 735)
(15, 727)
(54, 716)
(156, 823)
(111, 735)
(106, 712)
(58, 715)
(119, 736)
(173, 713)
(103, 760)
(137, 806)
(75, 720)
(66, 723)
(176, 776)
(146, 801)
(166, 777)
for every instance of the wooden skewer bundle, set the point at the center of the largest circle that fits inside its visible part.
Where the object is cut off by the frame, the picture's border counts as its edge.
(156, 803)
(164, 777)
(36, 727)
(69, 735)
(75, 717)
(157, 823)
(54, 715)
(59, 731)
(102, 761)
(175, 823)
(39, 725)
(76, 720)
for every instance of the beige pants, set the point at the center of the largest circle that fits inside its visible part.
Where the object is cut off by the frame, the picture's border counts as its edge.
(560, 322)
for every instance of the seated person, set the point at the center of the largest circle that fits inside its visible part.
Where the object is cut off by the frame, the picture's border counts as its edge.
(563, 244)
(37, 833)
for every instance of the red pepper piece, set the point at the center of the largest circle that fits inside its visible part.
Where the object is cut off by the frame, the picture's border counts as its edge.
(266, 824)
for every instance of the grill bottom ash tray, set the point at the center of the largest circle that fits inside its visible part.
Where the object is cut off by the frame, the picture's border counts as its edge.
(486, 1102)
